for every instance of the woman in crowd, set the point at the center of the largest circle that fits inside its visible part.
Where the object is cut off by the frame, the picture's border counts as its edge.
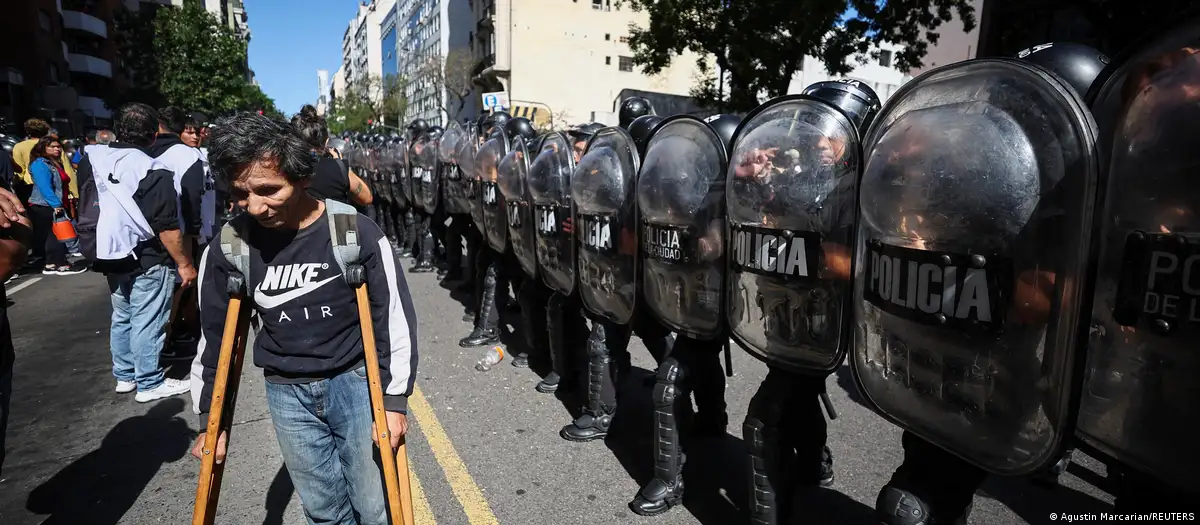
(46, 203)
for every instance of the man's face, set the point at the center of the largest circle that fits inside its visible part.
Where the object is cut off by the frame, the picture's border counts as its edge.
(203, 134)
(267, 194)
(191, 137)
(579, 148)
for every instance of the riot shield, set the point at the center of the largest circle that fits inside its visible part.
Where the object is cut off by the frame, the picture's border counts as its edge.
(973, 237)
(379, 179)
(487, 161)
(792, 192)
(429, 189)
(681, 198)
(453, 194)
(1142, 361)
(550, 188)
(468, 149)
(514, 174)
(416, 171)
(393, 180)
(605, 224)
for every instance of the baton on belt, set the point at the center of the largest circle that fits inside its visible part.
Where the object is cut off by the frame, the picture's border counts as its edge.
(224, 396)
(396, 480)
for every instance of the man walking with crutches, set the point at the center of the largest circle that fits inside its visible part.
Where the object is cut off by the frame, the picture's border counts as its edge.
(303, 261)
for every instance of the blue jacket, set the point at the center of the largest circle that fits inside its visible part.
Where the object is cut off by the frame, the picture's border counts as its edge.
(47, 184)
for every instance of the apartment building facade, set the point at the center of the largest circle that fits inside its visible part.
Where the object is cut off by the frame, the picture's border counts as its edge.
(362, 55)
(427, 32)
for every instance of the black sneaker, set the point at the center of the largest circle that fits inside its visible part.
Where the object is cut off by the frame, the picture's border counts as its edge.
(71, 269)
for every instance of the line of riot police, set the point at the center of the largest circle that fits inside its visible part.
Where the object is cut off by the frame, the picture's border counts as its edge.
(1003, 250)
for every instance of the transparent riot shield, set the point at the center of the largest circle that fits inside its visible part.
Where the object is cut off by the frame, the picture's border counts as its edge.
(430, 180)
(453, 192)
(792, 192)
(606, 224)
(513, 175)
(976, 211)
(550, 188)
(487, 161)
(468, 150)
(1142, 360)
(681, 197)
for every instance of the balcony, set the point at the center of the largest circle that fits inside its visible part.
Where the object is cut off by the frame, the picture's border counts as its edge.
(89, 64)
(484, 63)
(81, 21)
(94, 106)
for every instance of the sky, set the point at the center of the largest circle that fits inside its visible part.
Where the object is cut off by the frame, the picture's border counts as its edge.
(290, 40)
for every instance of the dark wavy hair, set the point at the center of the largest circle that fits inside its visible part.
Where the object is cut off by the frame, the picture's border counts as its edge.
(171, 119)
(311, 127)
(39, 149)
(239, 140)
(137, 124)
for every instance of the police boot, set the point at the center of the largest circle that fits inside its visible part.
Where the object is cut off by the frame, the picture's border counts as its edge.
(424, 263)
(601, 393)
(405, 224)
(665, 489)
(487, 329)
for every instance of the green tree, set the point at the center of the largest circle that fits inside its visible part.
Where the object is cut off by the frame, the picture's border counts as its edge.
(187, 58)
(759, 45)
(367, 102)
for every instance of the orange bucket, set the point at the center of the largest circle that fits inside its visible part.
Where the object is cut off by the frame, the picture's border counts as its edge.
(63, 230)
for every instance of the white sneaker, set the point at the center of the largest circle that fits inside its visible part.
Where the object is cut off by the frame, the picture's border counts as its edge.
(169, 387)
(125, 387)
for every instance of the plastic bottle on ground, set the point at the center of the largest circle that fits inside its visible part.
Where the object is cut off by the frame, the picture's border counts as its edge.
(495, 355)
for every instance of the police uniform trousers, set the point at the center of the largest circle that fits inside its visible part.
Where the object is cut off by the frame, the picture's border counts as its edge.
(693, 369)
(533, 298)
(785, 433)
(608, 361)
(944, 483)
(567, 334)
(452, 240)
(438, 227)
(423, 241)
(492, 296)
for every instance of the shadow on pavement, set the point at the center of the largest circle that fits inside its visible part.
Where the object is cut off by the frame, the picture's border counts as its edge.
(278, 496)
(845, 380)
(100, 487)
(1033, 503)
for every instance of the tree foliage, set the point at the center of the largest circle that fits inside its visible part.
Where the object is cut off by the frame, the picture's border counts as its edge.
(186, 57)
(452, 73)
(369, 101)
(759, 45)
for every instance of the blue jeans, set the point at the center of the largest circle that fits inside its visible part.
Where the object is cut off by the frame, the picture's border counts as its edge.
(141, 304)
(324, 431)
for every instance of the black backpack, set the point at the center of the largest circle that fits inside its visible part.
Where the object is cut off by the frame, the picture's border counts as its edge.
(88, 214)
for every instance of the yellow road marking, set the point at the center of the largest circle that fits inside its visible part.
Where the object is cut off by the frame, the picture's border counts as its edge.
(469, 495)
(422, 515)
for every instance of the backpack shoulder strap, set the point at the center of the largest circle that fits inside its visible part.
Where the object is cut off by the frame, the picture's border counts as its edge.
(343, 231)
(237, 252)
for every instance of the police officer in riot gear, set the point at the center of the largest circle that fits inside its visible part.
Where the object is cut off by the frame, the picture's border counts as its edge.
(453, 206)
(968, 307)
(681, 196)
(492, 270)
(415, 130)
(1141, 360)
(791, 196)
(603, 190)
(426, 192)
(632, 108)
(550, 186)
(532, 294)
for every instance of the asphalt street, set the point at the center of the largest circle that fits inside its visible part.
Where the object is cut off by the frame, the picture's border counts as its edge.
(484, 449)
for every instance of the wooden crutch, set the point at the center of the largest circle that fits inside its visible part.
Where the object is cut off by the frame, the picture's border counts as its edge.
(224, 396)
(396, 480)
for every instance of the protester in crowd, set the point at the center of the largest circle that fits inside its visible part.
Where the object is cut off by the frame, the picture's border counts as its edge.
(193, 127)
(137, 256)
(14, 243)
(105, 137)
(46, 205)
(332, 178)
(314, 363)
(190, 178)
(35, 130)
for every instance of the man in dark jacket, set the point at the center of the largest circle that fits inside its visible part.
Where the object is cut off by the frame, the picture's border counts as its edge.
(310, 346)
(14, 244)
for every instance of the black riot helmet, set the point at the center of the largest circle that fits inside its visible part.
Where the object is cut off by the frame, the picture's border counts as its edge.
(724, 125)
(435, 132)
(338, 145)
(418, 126)
(631, 109)
(496, 120)
(1076, 64)
(858, 102)
(584, 131)
(641, 129)
(520, 127)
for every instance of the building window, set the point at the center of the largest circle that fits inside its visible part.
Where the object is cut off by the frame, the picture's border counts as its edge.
(44, 21)
(623, 40)
(625, 63)
(608, 61)
(885, 58)
(607, 37)
(597, 4)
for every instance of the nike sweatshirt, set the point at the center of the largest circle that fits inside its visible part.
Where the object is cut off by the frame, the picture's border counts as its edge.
(309, 316)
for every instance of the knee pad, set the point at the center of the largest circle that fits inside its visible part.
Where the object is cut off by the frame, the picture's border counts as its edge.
(669, 375)
(900, 507)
